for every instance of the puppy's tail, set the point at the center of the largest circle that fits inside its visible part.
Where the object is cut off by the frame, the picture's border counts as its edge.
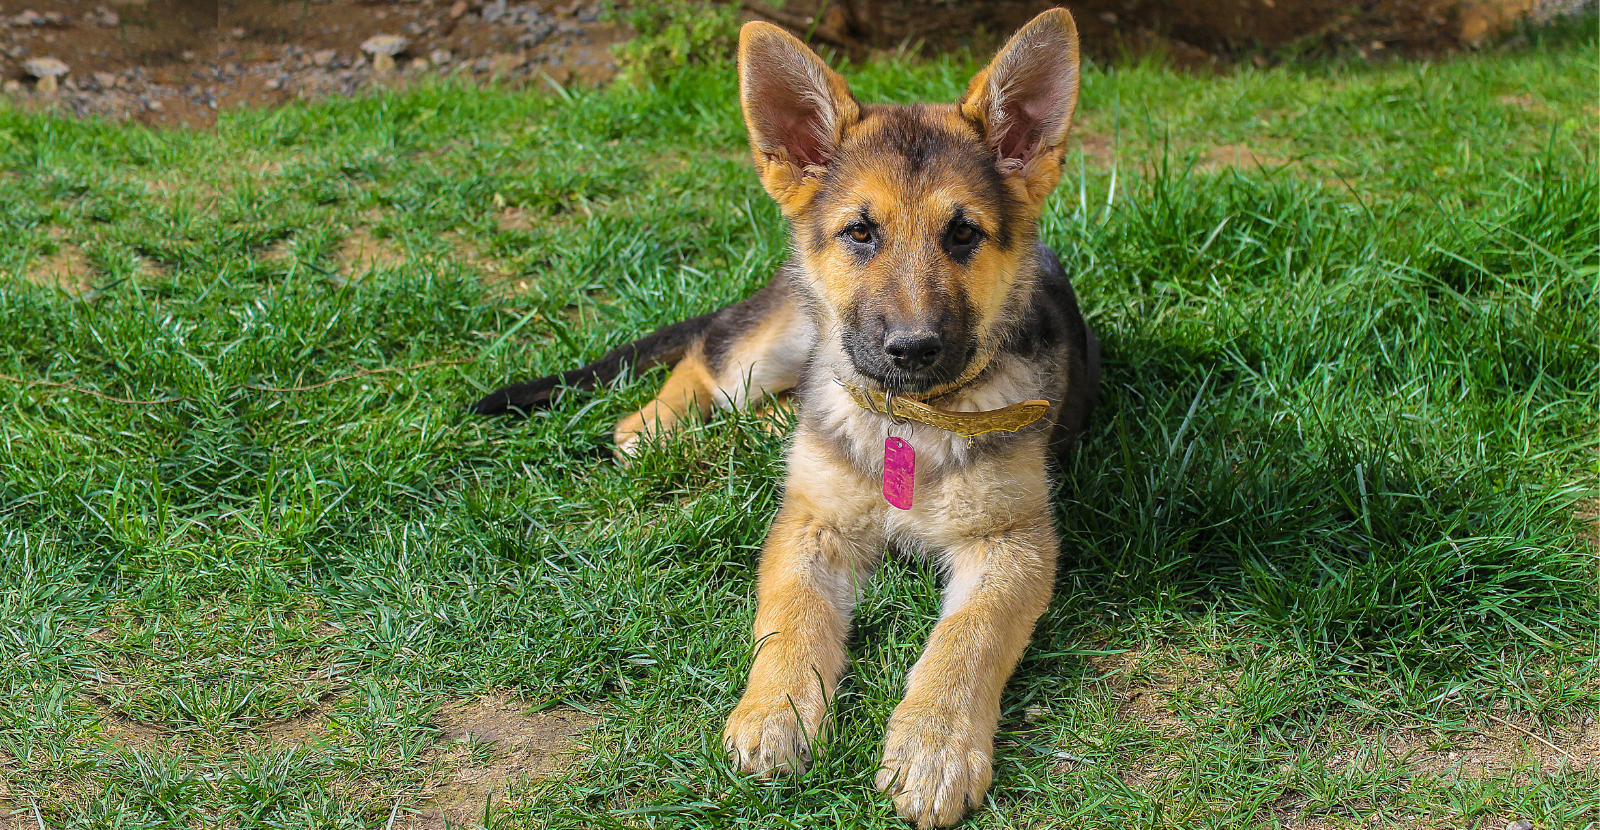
(666, 345)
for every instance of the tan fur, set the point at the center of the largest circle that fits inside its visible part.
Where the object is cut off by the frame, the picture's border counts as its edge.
(689, 388)
(762, 366)
(983, 517)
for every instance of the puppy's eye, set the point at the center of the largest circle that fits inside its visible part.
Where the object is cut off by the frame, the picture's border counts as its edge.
(859, 233)
(961, 238)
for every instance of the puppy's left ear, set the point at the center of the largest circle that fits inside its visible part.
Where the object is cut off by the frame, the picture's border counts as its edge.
(1023, 100)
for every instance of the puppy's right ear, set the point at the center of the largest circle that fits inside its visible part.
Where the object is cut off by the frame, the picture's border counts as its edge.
(796, 108)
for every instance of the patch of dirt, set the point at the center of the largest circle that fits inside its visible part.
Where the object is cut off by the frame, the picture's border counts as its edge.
(1477, 22)
(1172, 692)
(67, 269)
(1526, 103)
(488, 746)
(1099, 148)
(1193, 34)
(499, 743)
(362, 252)
(184, 186)
(498, 272)
(14, 816)
(126, 733)
(1237, 156)
(276, 52)
(299, 730)
(142, 60)
(1146, 684)
(177, 62)
(1497, 748)
(514, 220)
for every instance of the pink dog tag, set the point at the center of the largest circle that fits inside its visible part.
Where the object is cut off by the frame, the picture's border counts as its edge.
(899, 472)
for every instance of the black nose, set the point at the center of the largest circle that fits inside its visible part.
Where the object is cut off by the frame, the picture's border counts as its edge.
(912, 350)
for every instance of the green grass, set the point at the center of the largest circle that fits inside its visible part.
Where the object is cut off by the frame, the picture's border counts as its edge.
(1329, 500)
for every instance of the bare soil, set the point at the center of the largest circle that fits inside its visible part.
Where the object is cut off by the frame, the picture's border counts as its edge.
(490, 747)
(179, 62)
(518, 746)
(67, 268)
(1507, 747)
(1195, 34)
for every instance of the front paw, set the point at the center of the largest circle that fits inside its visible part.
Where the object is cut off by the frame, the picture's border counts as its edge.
(771, 734)
(935, 769)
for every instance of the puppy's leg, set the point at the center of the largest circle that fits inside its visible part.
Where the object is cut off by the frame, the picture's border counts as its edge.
(939, 747)
(690, 387)
(822, 544)
(747, 351)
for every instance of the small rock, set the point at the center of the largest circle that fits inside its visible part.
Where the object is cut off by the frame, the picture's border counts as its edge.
(107, 18)
(47, 70)
(324, 57)
(55, 18)
(12, 86)
(106, 80)
(153, 105)
(480, 65)
(459, 9)
(1520, 824)
(390, 45)
(28, 17)
(272, 84)
(383, 48)
(493, 11)
(440, 56)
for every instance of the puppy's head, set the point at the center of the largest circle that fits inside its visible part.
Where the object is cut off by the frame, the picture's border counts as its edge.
(913, 222)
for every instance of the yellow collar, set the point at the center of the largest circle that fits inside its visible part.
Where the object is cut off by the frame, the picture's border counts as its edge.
(965, 424)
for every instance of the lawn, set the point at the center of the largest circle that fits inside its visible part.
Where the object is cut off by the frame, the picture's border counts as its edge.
(1329, 554)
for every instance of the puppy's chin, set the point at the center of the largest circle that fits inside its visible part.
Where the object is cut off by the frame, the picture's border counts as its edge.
(939, 378)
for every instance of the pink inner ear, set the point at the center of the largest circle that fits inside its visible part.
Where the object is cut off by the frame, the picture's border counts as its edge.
(1015, 144)
(1035, 92)
(1021, 138)
(798, 131)
(784, 115)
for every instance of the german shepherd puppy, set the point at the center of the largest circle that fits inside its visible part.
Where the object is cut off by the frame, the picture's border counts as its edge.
(937, 360)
